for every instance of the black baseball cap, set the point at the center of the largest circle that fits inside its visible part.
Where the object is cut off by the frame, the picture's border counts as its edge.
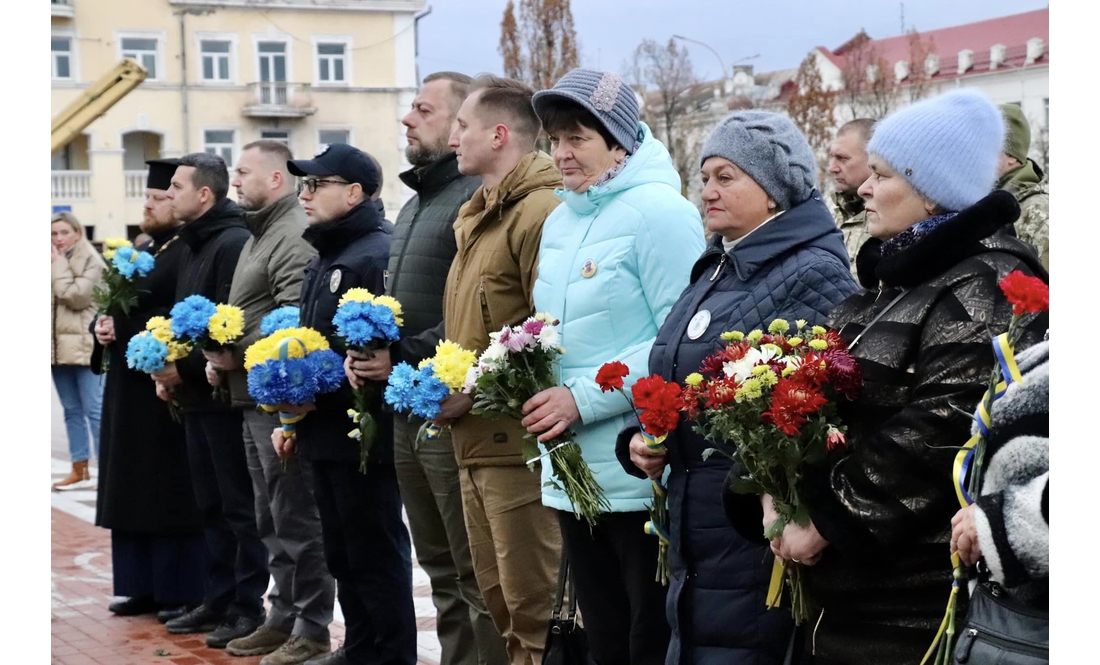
(341, 159)
(160, 173)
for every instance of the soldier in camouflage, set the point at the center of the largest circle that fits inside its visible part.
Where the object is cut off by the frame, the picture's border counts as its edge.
(1025, 180)
(848, 164)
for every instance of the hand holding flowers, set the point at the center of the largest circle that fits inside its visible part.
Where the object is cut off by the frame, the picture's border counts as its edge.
(118, 293)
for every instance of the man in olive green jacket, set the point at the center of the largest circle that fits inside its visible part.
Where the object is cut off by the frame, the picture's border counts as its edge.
(848, 165)
(514, 539)
(269, 275)
(1024, 179)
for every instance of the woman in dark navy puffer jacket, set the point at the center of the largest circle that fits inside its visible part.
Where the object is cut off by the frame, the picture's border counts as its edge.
(775, 253)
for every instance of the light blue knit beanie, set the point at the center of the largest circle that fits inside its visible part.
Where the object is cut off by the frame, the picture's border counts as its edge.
(770, 149)
(945, 147)
(605, 95)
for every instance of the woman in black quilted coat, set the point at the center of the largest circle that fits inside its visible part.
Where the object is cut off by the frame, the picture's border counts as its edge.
(877, 548)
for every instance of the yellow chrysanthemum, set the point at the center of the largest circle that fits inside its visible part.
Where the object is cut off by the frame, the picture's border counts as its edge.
(227, 324)
(818, 344)
(759, 369)
(818, 330)
(801, 323)
(158, 322)
(356, 295)
(387, 301)
(788, 370)
(117, 243)
(778, 327)
(268, 347)
(694, 379)
(451, 363)
(795, 341)
(176, 350)
(733, 336)
(750, 389)
(754, 336)
(769, 378)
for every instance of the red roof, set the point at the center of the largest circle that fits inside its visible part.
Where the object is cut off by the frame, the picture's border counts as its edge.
(1012, 31)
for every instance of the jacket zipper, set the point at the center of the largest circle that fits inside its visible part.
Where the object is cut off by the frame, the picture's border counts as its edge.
(717, 270)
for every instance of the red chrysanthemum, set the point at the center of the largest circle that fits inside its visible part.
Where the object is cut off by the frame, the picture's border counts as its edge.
(690, 398)
(845, 374)
(797, 397)
(1027, 294)
(835, 341)
(811, 369)
(721, 392)
(736, 351)
(835, 439)
(610, 376)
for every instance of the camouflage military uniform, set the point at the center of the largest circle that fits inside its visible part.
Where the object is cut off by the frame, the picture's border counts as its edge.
(852, 220)
(1029, 187)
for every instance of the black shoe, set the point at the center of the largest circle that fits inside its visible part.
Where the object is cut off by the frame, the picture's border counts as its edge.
(132, 607)
(169, 613)
(336, 657)
(199, 620)
(232, 628)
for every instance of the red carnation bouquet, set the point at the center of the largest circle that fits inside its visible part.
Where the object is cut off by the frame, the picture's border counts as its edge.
(656, 404)
(768, 401)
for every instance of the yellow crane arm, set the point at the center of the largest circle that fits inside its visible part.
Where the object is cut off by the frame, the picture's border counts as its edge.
(94, 102)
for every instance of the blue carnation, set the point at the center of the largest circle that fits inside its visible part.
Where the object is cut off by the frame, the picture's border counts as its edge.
(279, 319)
(123, 263)
(146, 353)
(328, 367)
(363, 323)
(191, 317)
(300, 380)
(144, 263)
(398, 393)
(428, 395)
(264, 382)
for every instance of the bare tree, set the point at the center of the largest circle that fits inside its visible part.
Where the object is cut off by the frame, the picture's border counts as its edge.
(667, 72)
(869, 86)
(541, 46)
(811, 108)
(920, 48)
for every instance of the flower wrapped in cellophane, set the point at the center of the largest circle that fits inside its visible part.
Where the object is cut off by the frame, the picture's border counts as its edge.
(118, 292)
(289, 368)
(366, 323)
(519, 363)
(209, 327)
(768, 401)
(421, 391)
(149, 351)
(656, 405)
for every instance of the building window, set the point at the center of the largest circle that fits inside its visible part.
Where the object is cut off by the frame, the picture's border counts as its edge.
(276, 135)
(219, 142)
(331, 62)
(61, 55)
(143, 50)
(62, 160)
(215, 60)
(326, 137)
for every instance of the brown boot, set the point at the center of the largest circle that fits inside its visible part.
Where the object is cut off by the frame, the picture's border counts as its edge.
(78, 479)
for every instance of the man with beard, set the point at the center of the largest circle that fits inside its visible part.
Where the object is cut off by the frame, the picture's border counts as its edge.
(157, 550)
(268, 276)
(213, 235)
(423, 248)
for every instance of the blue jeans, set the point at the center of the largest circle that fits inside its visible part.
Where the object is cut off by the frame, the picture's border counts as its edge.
(81, 394)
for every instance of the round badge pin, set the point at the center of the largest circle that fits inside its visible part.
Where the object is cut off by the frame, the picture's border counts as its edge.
(698, 324)
(334, 283)
(588, 269)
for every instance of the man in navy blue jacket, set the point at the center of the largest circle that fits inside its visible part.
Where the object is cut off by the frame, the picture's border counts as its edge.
(367, 547)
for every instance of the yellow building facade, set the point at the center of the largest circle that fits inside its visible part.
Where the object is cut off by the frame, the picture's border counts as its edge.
(222, 73)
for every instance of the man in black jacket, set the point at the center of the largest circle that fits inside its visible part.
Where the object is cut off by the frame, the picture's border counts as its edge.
(214, 233)
(367, 547)
(423, 248)
(145, 496)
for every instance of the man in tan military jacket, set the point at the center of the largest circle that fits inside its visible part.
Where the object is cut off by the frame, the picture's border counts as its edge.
(1024, 179)
(514, 539)
(848, 166)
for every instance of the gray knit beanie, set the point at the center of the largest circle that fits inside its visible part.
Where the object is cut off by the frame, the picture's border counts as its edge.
(604, 95)
(771, 150)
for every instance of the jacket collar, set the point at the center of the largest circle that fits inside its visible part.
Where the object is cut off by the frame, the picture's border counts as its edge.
(807, 223)
(972, 231)
(329, 237)
(260, 220)
(848, 204)
(534, 171)
(1027, 177)
(224, 215)
(427, 180)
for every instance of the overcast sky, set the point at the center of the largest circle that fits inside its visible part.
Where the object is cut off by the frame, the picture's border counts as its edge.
(463, 35)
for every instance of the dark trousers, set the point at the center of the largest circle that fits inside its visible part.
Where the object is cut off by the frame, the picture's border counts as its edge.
(368, 551)
(614, 569)
(170, 569)
(238, 574)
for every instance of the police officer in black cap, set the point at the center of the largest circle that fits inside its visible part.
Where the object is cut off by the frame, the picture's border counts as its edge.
(145, 498)
(367, 547)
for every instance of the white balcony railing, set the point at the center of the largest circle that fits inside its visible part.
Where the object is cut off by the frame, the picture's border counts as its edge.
(71, 185)
(278, 99)
(135, 184)
(62, 8)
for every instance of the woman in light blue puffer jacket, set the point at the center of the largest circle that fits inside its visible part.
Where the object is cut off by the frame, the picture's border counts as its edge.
(612, 262)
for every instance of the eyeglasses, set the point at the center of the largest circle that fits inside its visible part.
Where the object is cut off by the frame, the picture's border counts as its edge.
(313, 183)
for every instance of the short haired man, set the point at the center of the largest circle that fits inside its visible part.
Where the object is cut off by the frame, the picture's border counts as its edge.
(268, 276)
(848, 164)
(513, 542)
(367, 547)
(145, 496)
(422, 251)
(213, 235)
(1024, 179)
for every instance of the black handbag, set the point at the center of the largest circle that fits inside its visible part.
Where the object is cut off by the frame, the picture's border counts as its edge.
(566, 642)
(1000, 630)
